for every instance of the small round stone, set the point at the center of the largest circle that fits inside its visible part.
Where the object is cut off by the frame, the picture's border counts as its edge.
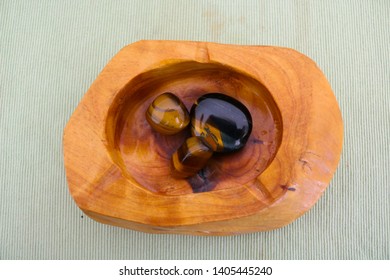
(191, 157)
(223, 122)
(167, 114)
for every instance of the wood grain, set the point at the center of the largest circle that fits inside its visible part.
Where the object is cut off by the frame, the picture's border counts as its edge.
(118, 167)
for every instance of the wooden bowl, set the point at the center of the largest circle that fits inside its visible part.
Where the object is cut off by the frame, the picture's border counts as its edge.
(118, 167)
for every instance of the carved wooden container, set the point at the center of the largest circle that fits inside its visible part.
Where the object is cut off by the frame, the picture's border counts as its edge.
(118, 167)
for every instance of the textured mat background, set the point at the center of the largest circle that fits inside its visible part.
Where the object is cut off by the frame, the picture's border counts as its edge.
(51, 51)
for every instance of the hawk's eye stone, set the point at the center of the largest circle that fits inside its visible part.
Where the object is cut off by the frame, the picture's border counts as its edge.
(191, 157)
(223, 122)
(167, 114)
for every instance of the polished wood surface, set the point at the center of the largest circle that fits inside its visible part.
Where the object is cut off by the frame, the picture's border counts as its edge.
(118, 168)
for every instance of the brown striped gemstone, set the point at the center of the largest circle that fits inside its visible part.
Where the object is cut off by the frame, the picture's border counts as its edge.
(191, 157)
(167, 114)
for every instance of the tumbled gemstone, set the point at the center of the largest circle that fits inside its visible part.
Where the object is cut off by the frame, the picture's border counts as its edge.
(167, 114)
(191, 157)
(224, 123)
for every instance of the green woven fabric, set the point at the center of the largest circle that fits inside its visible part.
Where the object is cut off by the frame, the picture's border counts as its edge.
(50, 53)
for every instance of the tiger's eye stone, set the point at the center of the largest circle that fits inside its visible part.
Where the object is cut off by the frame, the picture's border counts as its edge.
(191, 157)
(167, 114)
(224, 123)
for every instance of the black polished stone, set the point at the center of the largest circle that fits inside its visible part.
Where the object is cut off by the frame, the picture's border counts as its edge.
(223, 122)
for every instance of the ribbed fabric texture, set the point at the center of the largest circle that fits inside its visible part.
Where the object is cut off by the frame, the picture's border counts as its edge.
(50, 53)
